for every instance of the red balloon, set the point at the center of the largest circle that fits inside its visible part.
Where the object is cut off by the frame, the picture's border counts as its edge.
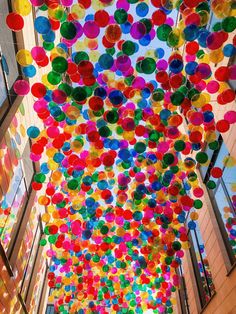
(38, 90)
(216, 172)
(95, 103)
(222, 74)
(222, 126)
(101, 17)
(15, 22)
(158, 17)
(192, 47)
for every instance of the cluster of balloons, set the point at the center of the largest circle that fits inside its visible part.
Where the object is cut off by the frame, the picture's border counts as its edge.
(118, 170)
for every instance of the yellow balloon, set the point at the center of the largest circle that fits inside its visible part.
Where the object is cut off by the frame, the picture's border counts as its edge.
(46, 217)
(78, 11)
(24, 57)
(23, 7)
(216, 56)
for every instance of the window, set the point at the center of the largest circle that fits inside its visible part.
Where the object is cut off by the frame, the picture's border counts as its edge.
(232, 83)
(200, 263)
(30, 264)
(12, 205)
(39, 285)
(50, 309)
(15, 189)
(224, 196)
(9, 69)
(183, 297)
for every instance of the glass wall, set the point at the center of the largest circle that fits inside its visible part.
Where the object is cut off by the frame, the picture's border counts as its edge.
(200, 263)
(16, 173)
(9, 70)
(224, 194)
(183, 296)
(28, 251)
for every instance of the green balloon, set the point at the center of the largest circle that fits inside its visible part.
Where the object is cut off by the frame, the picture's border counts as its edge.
(81, 56)
(79, 94)
(211, 184)
(59, 64)
(177, 98)
(173, 39)
(112, 116)
(176, 245)
(140, 147)
(197, 204)
(104, 131)
(154, 136)
(128, 48)
(229, 24)
(43, 242)
(104, 229)
(68, 30)
(168, 159)
(66, 88)
(54, 78)
(48, 46)
(72, 184)
(158, 94)
(179, 145)
(214, 145)
(39, 177)
(120, 16)
(148, 65)
(163, 32)
(201, 157)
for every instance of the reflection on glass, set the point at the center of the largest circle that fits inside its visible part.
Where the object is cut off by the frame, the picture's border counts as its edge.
(26, 246)
(203, 265)
(3, 90)
(225, 194)
(11, 206)
(29, 268)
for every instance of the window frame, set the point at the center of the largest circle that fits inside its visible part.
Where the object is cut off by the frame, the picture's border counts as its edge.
(13, 242)
(194, 261)
(11, 95)
(230, 255)
(30, 255)
(36, 260)
(182, 292)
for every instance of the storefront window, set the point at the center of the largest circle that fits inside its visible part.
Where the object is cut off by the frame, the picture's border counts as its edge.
(39, 284)
(201, 267)
(11, 206)
(9, 70)
(30, 265)
(224, 194)
(24, 258)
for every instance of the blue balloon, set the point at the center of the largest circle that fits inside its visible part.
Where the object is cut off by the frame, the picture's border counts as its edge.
(29, 71)
(160, 53)
(192, 225)
(49, 37)
(190, 68)
(229, 50)
(33, 132)
(145, 40)
(142, 9)
(106, 61)
(42, 25)
(116, 97)
(125, 27)
(191, 32)
(176, 66)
